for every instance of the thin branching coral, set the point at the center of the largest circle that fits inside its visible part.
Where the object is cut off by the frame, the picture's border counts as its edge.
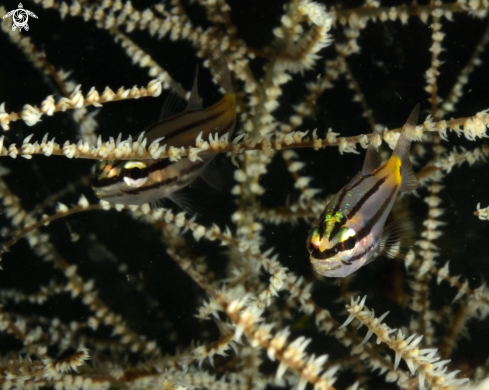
(96, 295)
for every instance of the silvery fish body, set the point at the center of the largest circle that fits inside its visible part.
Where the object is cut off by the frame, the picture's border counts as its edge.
(351, 230)
(136, 182)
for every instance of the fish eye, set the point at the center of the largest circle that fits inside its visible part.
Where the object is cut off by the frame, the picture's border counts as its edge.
(346, 238)
(134, 173)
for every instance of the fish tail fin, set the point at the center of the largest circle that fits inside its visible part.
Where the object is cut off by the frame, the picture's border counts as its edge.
(402, 150)
(219, 68)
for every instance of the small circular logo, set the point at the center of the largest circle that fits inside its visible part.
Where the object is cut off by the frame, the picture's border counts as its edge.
(20, 17)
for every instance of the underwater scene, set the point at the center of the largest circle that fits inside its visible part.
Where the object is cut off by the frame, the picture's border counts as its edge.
(225, 194)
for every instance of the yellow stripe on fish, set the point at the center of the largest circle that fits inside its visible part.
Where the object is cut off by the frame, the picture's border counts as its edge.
(147, 181)
(351, 230)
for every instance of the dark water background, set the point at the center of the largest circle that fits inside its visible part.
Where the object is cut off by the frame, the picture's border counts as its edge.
(390, 71)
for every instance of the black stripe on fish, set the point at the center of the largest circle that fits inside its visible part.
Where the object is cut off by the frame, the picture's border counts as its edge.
(165, 182)
(357, 257)
(158, 165)
(194, 167)
(358, 182)
(318, 255)
(163, 163)
(187, 127)
(363, 177)
(346, 189)
(107, 181)
(366, 196)
(337, 226)
(363, 232)
(338, 202)
(151, 187)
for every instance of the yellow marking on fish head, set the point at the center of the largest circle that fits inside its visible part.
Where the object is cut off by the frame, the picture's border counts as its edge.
(318, 241)
(330, 220)
(324, 241)
(107, 170)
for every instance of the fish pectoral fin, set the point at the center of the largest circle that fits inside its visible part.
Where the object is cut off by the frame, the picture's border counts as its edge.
(194, 102)
(396, 239)
(211, 176)
(372, 158)
(183, 199)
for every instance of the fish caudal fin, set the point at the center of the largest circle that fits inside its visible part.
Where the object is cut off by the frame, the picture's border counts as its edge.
(372, 158)
(402, 150)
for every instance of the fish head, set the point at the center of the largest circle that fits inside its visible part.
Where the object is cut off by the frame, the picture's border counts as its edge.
(334, 247)
(114, 180)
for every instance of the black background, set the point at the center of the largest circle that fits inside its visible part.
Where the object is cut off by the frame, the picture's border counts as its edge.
(390, 71)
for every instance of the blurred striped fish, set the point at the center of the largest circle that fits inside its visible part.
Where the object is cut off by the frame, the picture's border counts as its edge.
(350, 232)
(136, 182)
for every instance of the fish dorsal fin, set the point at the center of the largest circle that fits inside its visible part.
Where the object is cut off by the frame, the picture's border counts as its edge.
(194, 102)
(402, 150)
(170, 106)
(372, 158)
(397, 238)
(211, 176)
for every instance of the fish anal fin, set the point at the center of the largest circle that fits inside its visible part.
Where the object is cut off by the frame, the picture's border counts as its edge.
(372, 158)
(194, 102)
(211, 176)
(397, 239)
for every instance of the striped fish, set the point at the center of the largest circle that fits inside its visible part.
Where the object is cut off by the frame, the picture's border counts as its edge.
(136, 182)
(350, 232)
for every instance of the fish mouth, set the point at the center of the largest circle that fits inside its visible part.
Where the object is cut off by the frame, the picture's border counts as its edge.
(105, 195)
(318, 255)
(331, 267)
